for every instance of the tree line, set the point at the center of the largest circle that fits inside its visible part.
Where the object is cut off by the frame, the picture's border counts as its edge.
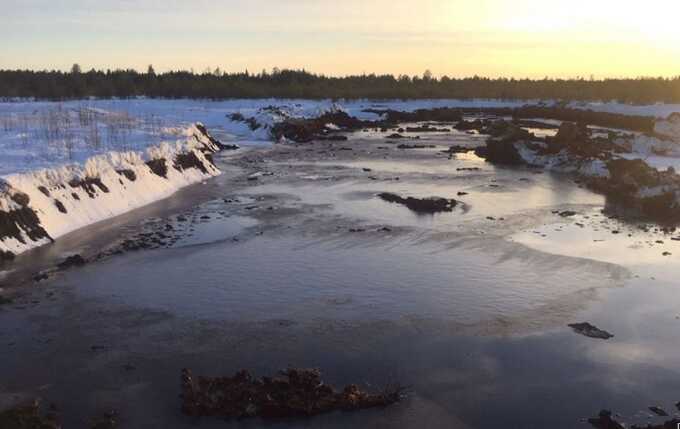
(59, 85)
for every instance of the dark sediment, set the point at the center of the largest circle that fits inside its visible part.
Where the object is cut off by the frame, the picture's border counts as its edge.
(24, 219)
(129, 174)
(27, 416)
(295, 392)
(185, 161)
(158, 167)
(591, 331)
(72, 261)
(89, 185)
(421, 205)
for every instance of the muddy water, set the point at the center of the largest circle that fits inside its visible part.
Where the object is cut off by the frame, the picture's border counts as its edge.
(307, 267)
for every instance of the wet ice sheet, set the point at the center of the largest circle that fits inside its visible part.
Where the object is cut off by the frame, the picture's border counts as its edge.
(305, 280)
(647, 250)
(490, 191)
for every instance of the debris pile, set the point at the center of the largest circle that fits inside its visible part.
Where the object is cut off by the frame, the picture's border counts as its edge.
(295, 392)
(28, 416)
(421, 205)
(591, 331)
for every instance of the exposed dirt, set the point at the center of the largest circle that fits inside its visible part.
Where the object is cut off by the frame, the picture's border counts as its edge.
(295, 392)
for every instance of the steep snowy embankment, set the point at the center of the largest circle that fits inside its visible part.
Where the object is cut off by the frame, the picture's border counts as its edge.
(37, 207)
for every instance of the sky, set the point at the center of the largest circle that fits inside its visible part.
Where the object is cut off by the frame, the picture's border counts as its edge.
(494, 38)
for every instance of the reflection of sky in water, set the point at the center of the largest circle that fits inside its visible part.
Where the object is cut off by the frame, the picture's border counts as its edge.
(593, 236)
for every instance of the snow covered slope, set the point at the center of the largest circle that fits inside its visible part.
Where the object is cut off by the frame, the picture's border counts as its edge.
(37, 207)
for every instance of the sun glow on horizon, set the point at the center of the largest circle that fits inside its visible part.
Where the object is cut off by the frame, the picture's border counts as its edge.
(524, 38)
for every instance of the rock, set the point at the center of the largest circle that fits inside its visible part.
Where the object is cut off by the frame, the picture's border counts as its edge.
(158, 167)
(90, 185)
(333, 138)
(60, 206)
(500, 146)
(477, 125)
(129, 174)
(421, 205)
(395, 136)
(658, 411)
(72, 261)
(568, 213)
(605, 421)
(293, 393)
(28, 416)
(415, 146)
(426, 129)
(309, 129)
(461, 193)
(451, 150)
(6, 255)
(439, 114)
(588, 330)
(40, 277)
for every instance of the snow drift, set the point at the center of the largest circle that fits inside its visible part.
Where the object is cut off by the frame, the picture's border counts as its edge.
(38, 207)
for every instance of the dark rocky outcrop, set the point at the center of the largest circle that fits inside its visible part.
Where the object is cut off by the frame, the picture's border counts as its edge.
(13, 222)
(294, 393)
(591, 331)
(185, 161)
(590, 117)
(500, 146)
(427, 129)
(88, 184)
(416, 146)
(129, 174)
(421, 205)
(28, 416)
(21, 199)
(439, 114)
(308, 129)
(158, 167)
(251, 122)
(451, 150)
(628, 178)
(6, 255)
(474, 125)
(201, 128)
(60, 206)
(72, 261)
(561, 113)
(576, 140)
(605, 421)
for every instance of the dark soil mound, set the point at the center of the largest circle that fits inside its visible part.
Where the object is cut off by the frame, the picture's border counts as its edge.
(295, 392)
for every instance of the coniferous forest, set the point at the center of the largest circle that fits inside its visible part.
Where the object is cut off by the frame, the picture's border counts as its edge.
(59, 85)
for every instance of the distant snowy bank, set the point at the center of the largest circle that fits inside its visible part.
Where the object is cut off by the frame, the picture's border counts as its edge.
(40, 206)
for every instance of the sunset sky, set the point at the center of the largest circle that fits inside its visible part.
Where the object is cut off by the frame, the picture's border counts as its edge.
(521, 38)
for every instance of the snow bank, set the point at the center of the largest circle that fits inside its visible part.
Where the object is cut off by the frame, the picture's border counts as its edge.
(38, 207)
